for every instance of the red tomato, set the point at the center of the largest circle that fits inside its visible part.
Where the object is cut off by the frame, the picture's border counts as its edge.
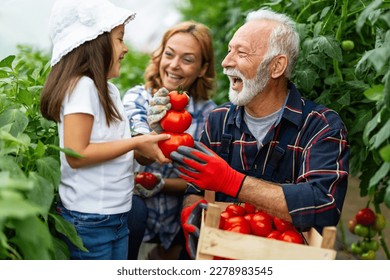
(235, 220)
(249, 208)
(249, 216)
(146, 179)
(176, 140)
(291, 236)
(178, 99)
(243, 227)
(236, 210)
(282, 225)
(176, 121)
(224, 215)
(275, 234)
(365, 217)
(261, 224)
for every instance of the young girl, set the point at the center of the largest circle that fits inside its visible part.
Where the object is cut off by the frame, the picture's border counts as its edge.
(96, 189)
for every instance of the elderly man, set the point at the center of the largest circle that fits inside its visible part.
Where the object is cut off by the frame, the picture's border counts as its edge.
(269, 146)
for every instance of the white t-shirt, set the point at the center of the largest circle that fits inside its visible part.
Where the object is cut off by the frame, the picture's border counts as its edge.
(104, 188)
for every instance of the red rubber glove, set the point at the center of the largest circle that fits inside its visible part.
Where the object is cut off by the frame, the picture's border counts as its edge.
(206, 170)
(190, 222)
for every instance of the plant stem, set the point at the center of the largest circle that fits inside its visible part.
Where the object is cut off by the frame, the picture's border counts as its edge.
(344, 10)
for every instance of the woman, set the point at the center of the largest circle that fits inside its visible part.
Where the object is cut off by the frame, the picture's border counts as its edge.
(185, 60)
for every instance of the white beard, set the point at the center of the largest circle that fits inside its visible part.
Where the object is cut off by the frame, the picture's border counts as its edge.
(250, 87)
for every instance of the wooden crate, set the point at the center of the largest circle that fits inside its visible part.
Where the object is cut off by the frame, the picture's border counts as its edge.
(216, 242)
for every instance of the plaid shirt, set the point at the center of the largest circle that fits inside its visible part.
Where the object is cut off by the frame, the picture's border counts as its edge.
(163, 209)
(313, 171)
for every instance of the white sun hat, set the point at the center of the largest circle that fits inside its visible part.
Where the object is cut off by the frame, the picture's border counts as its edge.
(74, 22)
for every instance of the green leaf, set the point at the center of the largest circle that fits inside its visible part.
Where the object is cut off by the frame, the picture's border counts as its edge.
(32, 237)
(379, 175)
(382, 135)
(387, 197)
(9, 164)
(361, 119)
(20, 184)
(49, 168)
(7, 62)
(67, 151)
(385, 153)
(375, 93)
(380, 58)
(43, 192)
(17, 209)
(40, 149)
(306, 79)
(371, 125)
(330, 46)
(366, 14)
(345, 99)
(16, 118)
(67, 229)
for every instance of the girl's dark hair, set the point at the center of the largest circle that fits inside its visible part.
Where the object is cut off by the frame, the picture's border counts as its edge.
(92, 59)
(202, 86)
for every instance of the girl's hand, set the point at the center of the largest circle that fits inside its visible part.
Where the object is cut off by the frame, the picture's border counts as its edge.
(148, 147)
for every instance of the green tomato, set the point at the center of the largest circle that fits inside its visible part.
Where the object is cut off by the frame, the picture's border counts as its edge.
(373, 245)
(347, 45)
(361, 230)
(380, 222)
(371, 232)
(370, 255)
(356, 249)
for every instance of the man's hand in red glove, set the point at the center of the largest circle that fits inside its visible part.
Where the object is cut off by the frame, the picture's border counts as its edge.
(206, 170)
(190, 222)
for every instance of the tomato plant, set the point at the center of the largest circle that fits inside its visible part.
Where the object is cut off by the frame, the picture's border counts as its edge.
(146, 179)
(176, 140)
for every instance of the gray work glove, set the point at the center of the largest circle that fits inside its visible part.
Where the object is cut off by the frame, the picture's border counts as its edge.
(158, 107)
(144, 192)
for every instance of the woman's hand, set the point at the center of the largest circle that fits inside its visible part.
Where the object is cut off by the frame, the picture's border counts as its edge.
(158, 107)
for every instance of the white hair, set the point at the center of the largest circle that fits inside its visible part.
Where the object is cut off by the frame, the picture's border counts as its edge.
(284, 39)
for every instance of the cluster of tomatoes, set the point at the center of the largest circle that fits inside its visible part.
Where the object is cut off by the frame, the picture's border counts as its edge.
(366, 224)
(175, 122)
(247, 219)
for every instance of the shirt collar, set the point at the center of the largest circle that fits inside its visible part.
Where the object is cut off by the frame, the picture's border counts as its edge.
(292, 110)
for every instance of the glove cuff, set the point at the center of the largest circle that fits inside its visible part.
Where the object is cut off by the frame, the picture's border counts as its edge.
(233, 187)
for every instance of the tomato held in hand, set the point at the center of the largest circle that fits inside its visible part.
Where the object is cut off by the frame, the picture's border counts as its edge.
(179, 99)
(146, 179)
(176, 121)
(292, 236)
(365, 216)
(176, 140)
